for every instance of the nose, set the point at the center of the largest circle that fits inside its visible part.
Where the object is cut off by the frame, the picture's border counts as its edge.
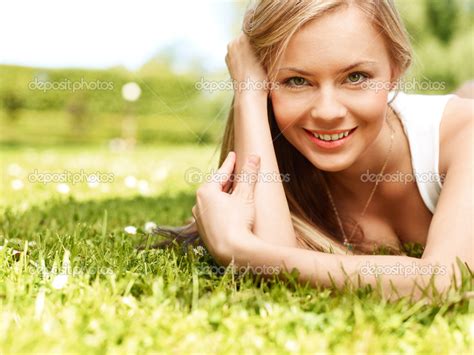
(327, 106)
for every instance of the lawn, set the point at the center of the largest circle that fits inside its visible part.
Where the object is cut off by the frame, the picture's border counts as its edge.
(72, 280)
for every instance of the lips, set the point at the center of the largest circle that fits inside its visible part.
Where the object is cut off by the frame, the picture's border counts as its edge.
(331, 132)
(330, 144)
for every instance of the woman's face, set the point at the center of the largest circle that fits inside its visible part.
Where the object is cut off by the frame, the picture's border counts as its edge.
(323, 79)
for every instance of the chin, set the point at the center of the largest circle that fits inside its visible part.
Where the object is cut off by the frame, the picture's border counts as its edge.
(324, 162)
(330, 164)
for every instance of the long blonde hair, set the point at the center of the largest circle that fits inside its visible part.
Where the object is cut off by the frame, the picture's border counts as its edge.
(269, 25)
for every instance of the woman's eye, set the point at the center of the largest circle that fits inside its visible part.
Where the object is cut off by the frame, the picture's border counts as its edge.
(295, 81)
(357, 77)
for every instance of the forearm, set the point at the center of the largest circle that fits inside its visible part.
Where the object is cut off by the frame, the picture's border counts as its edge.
(398, 276)
(252, 135)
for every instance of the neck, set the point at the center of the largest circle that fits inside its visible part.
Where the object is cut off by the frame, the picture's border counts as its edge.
(357, 181)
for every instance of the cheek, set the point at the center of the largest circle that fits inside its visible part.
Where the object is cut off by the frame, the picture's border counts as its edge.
(370, 108)
(286, 112)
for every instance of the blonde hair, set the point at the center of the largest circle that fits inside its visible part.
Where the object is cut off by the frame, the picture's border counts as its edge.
(269, 25)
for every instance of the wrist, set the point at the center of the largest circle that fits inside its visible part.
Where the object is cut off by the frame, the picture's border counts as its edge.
(252, 94)
(260, 256)
(248, 246)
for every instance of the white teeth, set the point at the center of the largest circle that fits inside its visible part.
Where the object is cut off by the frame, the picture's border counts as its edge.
(331, 137)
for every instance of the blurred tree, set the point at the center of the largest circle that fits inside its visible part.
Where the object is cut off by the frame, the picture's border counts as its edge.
(442, 16)
(12, 104)
(77, 108)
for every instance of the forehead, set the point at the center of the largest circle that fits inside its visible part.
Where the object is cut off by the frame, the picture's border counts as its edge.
(344, 35)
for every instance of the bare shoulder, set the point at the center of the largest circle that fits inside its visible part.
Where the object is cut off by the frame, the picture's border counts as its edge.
(456, 131)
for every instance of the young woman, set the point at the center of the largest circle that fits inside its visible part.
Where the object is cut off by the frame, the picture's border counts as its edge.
(344, 162)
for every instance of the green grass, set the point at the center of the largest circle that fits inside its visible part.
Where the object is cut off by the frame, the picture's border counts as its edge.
(119, 300)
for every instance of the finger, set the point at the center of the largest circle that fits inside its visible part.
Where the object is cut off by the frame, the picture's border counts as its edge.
(223, 174)
(227, 185)
(245, 184)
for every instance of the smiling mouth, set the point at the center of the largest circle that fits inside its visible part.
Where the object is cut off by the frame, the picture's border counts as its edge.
(331, 136)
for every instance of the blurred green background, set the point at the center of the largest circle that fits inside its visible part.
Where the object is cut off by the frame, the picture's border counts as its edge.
(171, 110)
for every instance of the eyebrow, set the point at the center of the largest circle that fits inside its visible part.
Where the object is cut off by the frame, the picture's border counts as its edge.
(349, 67)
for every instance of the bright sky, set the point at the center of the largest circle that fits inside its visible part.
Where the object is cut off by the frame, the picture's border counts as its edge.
(105, 33)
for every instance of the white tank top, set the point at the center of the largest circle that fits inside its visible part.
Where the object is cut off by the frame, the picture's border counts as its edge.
(421, 116)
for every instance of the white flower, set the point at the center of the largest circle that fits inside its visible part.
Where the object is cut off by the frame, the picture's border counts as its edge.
(130, 229)
(150, 226)
(59, 281)
(130, 181)
(17, 184)
(131, 91)
(63, 188)
(199, 250)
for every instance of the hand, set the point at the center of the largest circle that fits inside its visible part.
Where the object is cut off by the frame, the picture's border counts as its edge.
(244, 67)
(225, 220)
